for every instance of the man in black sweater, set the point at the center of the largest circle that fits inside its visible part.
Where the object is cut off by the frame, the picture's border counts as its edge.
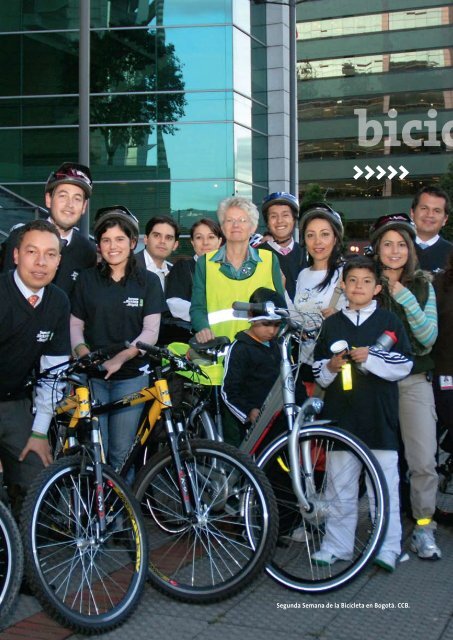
(67, 192)
(430, 210)
(34, 331)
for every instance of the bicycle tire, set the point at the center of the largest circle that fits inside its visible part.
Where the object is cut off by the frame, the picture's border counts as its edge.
(11, 563)
(444, 499)
(88, 583)
(300, 534)
(233, 534)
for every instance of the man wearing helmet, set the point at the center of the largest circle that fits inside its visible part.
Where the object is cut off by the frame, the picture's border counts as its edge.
(280, 212)
(66, 195)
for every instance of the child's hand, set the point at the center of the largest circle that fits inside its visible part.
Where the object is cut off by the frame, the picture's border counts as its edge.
(359, 355)
(254, 413)
(336, 362)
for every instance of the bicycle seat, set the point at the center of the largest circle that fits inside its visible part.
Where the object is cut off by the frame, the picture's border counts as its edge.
(217, 344)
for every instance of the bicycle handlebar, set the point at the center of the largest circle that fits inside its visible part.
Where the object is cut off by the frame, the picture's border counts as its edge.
(180, 362)
(267, 308)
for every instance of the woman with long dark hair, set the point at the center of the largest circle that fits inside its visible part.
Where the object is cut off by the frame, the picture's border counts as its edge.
(318, 292)
(408, 292)
(112, 303)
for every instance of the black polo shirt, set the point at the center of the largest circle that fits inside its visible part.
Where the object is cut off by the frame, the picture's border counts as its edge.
(113, 312)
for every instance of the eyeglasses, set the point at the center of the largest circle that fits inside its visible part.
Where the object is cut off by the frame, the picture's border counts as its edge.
(236, 221)
(100, 213)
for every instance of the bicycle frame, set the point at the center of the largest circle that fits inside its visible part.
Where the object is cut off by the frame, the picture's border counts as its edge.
(82, 409)
(282, 397)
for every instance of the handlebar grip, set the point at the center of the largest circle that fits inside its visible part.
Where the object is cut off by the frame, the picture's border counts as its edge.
(149, 348)
(255, 307)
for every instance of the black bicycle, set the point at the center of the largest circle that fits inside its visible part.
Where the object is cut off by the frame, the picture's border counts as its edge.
(210, 513)
(85, 542)
(11, 563)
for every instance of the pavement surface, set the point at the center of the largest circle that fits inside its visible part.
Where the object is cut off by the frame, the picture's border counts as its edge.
(415, 601)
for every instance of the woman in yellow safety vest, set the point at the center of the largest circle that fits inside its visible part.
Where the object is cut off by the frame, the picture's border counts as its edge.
(231, 273)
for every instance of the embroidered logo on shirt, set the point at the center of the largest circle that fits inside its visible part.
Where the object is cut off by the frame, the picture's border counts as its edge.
(133, 302)
(74, 275)
(44, 336)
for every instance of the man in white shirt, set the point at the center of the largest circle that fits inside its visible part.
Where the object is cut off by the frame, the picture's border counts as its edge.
(429, 211)
(161, 239)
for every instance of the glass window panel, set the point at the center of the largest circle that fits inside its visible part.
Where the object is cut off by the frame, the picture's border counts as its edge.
(396, 20)
(241, 14)
(118, 13)
(170, 60)
(39, 64)
(243, 153)
(259, 74)
(336, 189)
(376, 63)
(164, 107)
(260, 159)
(208, 105)
(31, 112)
(200, 151)
(375, 105)
(350, 148)
(120, 146)
(242, 60)
(242, 110)
(31, 154)
(125, 60)
(259, 117)
(39, 15)
(192, 151)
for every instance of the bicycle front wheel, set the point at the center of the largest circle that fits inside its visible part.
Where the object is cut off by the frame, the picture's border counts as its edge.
(86, 580)
(346, 490)
(225, 543)
(11, 563)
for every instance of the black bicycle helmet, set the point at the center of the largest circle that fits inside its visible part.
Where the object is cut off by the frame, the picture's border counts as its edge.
(394, 221)
(116, 212)
(71, 173)
(321, 210)
(280, 197)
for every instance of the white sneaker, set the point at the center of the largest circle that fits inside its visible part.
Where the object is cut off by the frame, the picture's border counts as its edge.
(300, 534)
(423, 542)
(386, 560)
(323, 558)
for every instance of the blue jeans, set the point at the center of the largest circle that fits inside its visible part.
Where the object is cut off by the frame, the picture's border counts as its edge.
(119, 427)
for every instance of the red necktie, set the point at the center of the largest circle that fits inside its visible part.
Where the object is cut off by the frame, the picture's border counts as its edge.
(33, 300)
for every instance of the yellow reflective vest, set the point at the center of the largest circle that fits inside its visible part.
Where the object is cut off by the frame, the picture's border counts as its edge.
(221, 292)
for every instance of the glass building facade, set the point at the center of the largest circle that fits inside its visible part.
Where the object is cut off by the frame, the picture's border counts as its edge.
(178, 101)
(389, 64)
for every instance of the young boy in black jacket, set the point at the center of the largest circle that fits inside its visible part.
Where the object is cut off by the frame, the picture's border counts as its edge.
(253, 360)
(368, 408)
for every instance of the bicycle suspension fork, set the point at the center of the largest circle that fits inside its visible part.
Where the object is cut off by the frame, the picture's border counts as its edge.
(177, 440)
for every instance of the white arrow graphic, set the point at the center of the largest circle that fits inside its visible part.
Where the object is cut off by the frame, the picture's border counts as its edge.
(358, 172)
(370, 172)
(380, 172)
(392, 172)
(404, 172)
